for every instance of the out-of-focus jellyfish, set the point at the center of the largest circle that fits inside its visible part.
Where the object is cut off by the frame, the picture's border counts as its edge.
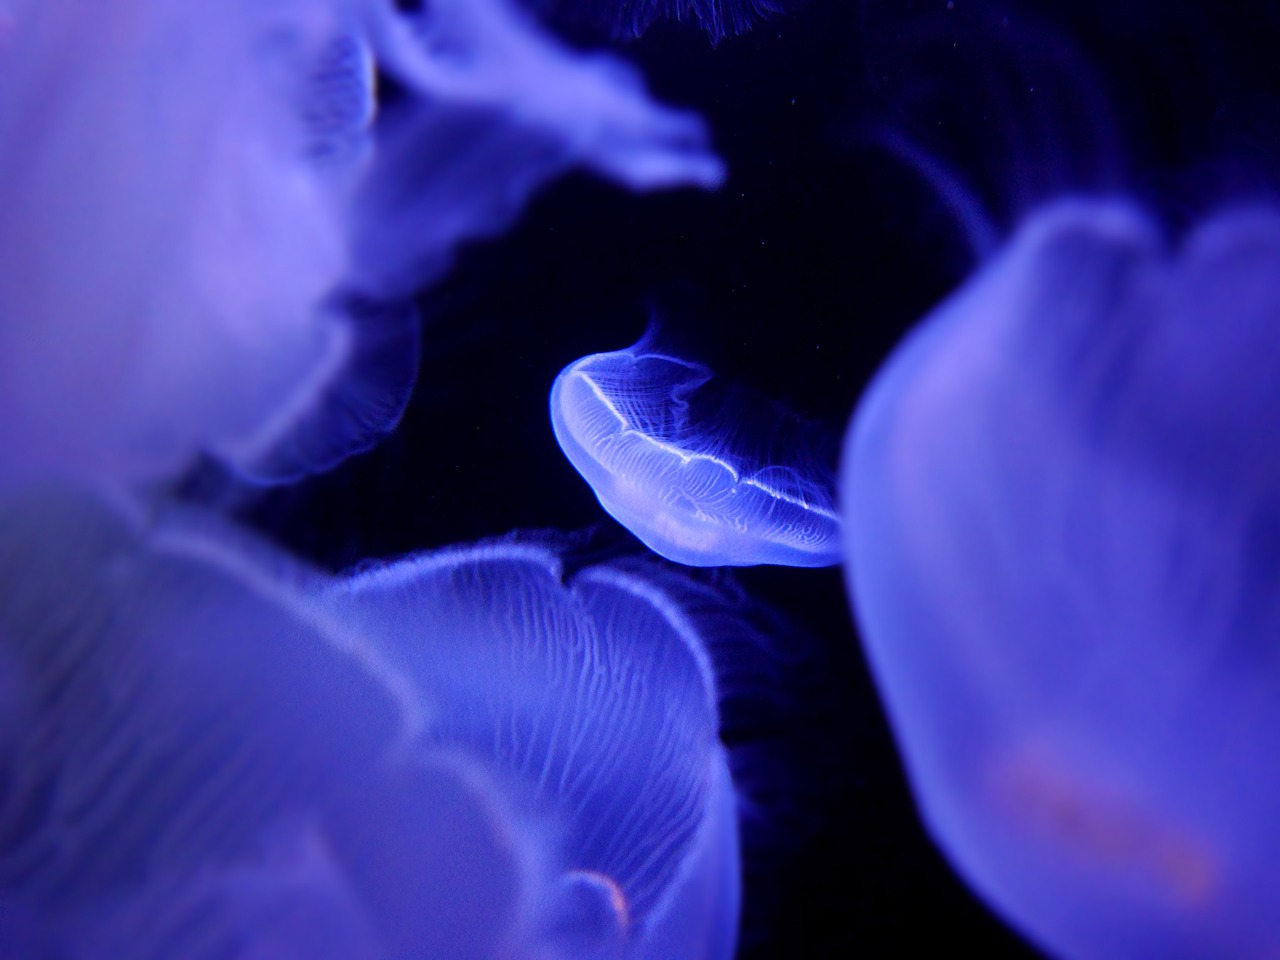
(195, 194)
(494, 107)
(176, 723)
(704, 475)
(1062, 509)
(209, 751)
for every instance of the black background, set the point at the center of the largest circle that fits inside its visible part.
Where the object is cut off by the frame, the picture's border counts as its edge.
(798, 276)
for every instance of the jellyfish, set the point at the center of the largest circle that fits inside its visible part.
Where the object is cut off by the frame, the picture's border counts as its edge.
(211, 750)
(592, 696)
(495, 106)
(269, 186)
(176, 724)
(662, 444)
(1061, 502)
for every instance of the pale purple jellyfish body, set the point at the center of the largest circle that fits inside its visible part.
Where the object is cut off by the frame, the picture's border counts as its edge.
(592, 700)
(158, 238)
(1062, 496)
(180, 724)
(687, 482)
(209, 751)
(195, 193)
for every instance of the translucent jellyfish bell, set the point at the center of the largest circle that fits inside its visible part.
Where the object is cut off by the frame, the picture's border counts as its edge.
(159, 241)
(1062, 553)
(190, 290)
(179, 726)
(591, 698)
(671, 458)
(210, 751)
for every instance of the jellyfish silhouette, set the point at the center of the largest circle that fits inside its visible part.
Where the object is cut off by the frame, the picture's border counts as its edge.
(669, 453)
(211, 751)
(191, 289)
(1062, 552)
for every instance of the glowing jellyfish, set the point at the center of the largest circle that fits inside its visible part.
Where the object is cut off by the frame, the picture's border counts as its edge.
(1063, 553)
(196, 194)
(592, 698)
(209, 751)
(664, 450)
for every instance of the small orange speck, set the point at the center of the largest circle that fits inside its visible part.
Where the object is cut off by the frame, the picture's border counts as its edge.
(617, 899)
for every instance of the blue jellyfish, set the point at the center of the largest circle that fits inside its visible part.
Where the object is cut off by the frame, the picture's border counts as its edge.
(663, 450)
(176, 725)
(592, 698)
(1061, 502)
(204, 285)
(210, 751)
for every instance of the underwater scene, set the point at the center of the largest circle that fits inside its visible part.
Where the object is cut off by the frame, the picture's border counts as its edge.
(639, 479)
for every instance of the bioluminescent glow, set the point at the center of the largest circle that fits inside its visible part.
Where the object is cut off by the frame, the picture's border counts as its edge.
(212, 751)
(593, 698)
(186, 290)
(686, 481)
(1061, 494)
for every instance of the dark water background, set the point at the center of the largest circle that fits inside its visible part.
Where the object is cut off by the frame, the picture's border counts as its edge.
(798, 277)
